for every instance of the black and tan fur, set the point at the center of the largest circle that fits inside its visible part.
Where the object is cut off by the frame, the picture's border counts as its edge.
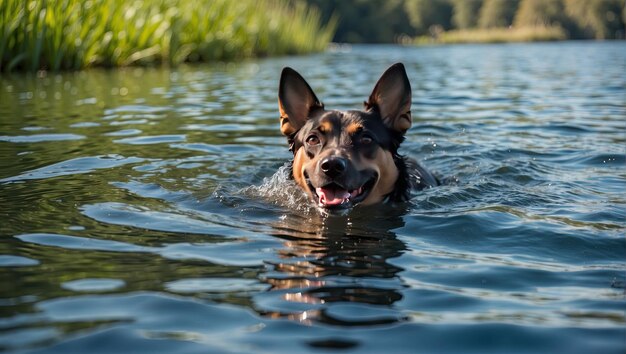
(345, 158)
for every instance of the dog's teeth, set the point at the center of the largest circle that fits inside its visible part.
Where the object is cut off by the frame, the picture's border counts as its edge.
(356, 192)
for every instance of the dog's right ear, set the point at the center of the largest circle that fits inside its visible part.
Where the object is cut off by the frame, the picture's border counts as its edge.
(296, 101)
(392, 98)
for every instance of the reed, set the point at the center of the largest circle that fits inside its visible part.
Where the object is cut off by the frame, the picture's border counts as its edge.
(75, 34)
(497, 35)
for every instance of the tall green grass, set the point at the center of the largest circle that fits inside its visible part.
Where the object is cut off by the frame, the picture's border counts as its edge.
(75, 34)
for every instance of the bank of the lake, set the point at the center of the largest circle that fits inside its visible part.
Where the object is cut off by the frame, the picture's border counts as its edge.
(495, 35)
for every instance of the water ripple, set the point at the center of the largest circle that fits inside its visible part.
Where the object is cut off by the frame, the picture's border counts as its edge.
(75, 166)
(158, 139)
(36, 138)
(170, 222)
(225, 252)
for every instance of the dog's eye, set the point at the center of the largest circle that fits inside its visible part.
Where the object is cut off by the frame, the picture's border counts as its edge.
(312, 140)
(366, 139)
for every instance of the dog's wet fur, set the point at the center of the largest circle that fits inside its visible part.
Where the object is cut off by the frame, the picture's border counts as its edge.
(348, 158)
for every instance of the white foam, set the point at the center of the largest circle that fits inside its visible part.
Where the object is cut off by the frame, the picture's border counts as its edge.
(280, 189)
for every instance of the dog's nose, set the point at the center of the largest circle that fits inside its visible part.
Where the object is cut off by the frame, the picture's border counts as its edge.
(334, 166)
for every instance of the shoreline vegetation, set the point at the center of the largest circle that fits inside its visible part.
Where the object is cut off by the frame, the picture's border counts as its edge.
(495, 35)
(474, 21)
(76, 34)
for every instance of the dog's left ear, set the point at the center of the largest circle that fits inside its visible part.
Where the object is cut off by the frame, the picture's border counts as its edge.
(392, 98)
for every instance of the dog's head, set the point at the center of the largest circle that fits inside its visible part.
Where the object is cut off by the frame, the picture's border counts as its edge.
(345, 158)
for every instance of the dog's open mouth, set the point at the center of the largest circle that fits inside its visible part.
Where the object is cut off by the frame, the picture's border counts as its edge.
(335, 196)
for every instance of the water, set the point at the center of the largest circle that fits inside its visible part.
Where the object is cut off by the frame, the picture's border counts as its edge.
(148, 210)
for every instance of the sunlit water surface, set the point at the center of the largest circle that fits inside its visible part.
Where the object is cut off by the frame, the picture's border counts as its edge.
(149, 210)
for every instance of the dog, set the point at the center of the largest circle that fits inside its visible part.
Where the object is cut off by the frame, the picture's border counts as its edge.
(342, 159)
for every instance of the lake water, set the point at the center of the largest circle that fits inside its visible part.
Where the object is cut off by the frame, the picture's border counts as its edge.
(148, 210)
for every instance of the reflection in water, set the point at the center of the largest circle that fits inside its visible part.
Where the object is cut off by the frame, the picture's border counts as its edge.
(338, 259)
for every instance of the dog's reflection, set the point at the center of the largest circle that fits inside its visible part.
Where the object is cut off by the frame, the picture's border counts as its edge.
(335, 260)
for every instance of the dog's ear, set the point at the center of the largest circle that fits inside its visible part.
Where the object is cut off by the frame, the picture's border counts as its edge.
(392, 98)
(296, 101)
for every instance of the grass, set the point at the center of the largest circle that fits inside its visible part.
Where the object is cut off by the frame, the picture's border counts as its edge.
(75, 34)
(497, 35)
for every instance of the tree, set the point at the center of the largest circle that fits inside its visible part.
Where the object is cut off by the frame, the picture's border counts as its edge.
(539, 13)
(497, 13)
(366, 21)
(465, 13)
(598, 19)
(426, 14)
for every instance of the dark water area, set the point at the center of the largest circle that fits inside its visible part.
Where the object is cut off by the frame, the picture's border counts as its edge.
(149, 210)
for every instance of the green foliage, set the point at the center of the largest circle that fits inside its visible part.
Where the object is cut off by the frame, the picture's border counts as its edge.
(465, 13)
(497, 13)
(597, 18)
(393, 20)
(539, 13)
(427, 14)
(366, 21)
(74, 34)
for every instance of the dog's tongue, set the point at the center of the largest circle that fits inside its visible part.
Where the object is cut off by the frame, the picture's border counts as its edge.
(331, 195)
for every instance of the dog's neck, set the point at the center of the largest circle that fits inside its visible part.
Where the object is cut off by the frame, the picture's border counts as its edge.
(402, 188)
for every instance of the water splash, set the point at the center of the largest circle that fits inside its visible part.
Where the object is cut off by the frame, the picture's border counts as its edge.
(281, 190)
